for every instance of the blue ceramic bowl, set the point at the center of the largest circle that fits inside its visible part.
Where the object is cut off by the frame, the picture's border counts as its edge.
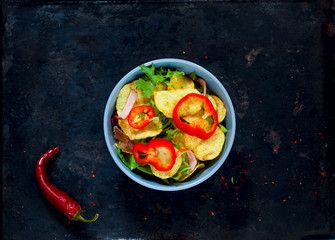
(211, 166)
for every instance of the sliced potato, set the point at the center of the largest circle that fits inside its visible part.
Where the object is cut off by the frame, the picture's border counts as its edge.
(208, 149)
(193, 117)
(203, 123)
(150, 130)
(160, 87)
(189, 110)
(181, 82)
(178, 139)
(123, 96)
(184, 175)
(221, 109)
(194, 107)
(166, 174)
(210, 97)
(167, 100)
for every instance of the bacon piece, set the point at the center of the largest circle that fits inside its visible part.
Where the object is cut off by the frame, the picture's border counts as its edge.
(125, 143)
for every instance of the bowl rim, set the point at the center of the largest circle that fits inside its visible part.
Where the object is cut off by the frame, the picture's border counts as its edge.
(125, 79)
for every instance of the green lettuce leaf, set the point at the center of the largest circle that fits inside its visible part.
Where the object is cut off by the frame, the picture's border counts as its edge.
(127, 159)
(145, 168)
(130, 162)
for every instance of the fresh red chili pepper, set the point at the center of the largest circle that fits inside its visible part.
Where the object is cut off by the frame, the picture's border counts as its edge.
(149, 153)
(140, 116)
(59, 199)
(195, 129)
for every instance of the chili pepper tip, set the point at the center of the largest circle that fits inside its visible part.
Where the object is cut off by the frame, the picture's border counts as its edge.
(56, 149)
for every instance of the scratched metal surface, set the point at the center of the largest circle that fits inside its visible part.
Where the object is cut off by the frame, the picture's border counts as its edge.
(276, 59)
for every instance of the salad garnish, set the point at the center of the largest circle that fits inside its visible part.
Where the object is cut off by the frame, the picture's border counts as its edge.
(168, 124)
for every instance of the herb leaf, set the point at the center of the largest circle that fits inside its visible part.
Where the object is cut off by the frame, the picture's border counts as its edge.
(210, 119)
(166, 181)
(184, 165)
(155, 75)
(223, 129)
(161, 71)
(166, 122)
(193, 76)
(172, 133)
(184, 168)
(176, 176)
(170, 73)
(146, 86)
(150, 72)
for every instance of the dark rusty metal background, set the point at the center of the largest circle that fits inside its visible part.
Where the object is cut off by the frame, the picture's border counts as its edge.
(60, 62)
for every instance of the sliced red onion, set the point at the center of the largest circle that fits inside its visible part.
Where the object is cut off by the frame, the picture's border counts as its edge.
(203, 84)
(192, 161)
(129, 104)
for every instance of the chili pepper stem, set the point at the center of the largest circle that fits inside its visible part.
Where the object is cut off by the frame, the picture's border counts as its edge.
(79, 217)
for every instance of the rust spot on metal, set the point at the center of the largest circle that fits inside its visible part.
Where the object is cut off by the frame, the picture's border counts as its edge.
(251, 56)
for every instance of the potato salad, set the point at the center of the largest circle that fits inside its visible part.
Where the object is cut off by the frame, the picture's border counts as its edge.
(168, 124)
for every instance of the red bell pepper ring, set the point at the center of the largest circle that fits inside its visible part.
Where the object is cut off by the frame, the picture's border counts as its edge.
(140, 116)
(195, 129)
(149, 153)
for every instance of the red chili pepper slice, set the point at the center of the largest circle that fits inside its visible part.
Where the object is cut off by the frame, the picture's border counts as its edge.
(195, 129)
(141, 116)
(149, 153)
(59, 199)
